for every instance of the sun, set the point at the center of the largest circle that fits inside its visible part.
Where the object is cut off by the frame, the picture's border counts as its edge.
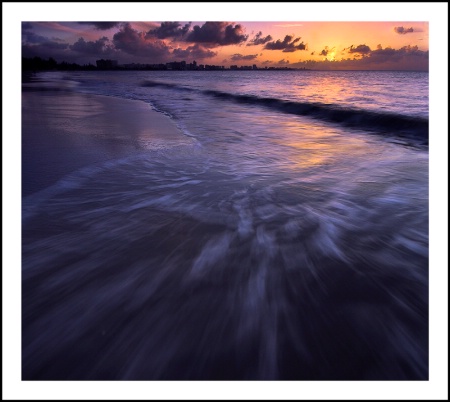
(331, 55)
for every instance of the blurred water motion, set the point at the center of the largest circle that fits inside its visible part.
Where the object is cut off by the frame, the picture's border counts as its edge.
(268, 246)
(202, 276)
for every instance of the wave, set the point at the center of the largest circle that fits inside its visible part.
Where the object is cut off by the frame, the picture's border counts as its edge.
(388, 124)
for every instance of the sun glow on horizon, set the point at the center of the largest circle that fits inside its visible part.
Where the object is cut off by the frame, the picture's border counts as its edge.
(331, 55)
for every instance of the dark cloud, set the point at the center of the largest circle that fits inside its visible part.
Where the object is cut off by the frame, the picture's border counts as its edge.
(99, 47)
(405, 58)
(217, 34)
(282, 61)
(403, 31)
(194, 52)
(54, 45)
(46, 50)
(361, 49)
(381, 55)
(31, 37)
(37, 45)
(101, 26)
(28, 36)
(325, 51)
(289, 44)
(259, 40)
(238, 57)
(169, 30)
(135, 43)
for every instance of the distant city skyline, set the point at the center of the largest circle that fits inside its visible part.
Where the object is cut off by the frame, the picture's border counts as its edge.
(312, 45)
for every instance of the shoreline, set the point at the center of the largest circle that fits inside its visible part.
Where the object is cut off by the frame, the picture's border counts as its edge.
(63, 131)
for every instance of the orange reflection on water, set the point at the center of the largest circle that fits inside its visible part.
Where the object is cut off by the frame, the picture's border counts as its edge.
(307, 144)
(328, 89)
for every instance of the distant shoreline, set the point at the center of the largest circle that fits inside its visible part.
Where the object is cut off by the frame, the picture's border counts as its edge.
(36, 64)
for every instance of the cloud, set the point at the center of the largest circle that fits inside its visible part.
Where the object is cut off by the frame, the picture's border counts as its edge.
(403, 31)
(101, 26)
(99, 47)
(169, 30)
(54, 45)
(238, 57)
(282, 61)
(31, 37)
(194, 52)
(35, 45)
(287, 45)
(259, 40)
(46, 49)
(381, 55)
(217, 34)
(135, 43)
(360, 49)
(28, 36)
(326, 51)
(405, 58)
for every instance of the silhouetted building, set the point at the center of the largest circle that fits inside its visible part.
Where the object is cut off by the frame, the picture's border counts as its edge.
(176, 65)
(212, 67)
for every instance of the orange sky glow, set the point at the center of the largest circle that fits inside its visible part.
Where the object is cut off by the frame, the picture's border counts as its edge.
(400, 45)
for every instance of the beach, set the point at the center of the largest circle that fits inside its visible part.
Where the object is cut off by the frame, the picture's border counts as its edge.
(63, 131)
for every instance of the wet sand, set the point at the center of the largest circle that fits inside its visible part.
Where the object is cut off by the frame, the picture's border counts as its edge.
(63, 131)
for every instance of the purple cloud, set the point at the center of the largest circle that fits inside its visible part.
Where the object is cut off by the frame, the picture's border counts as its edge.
(403, 31)
(282, 61)
(131, 41)
(361, 49)
(101, 26)
(169, 30)
(259, 39)
(405, 58)
(217, 34)
(99, 47)
(238, 57)
(326, 50)
(289, 44)
(194, 52)
(28, 36)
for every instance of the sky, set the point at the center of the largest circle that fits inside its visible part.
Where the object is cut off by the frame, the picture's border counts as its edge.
(343, 45)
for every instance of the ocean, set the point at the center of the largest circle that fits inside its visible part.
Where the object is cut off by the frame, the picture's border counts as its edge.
(277, 231)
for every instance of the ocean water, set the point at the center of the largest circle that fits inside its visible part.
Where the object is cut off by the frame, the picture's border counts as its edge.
(284, 237)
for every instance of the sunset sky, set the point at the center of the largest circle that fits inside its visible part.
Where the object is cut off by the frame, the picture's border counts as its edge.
(392, 45)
